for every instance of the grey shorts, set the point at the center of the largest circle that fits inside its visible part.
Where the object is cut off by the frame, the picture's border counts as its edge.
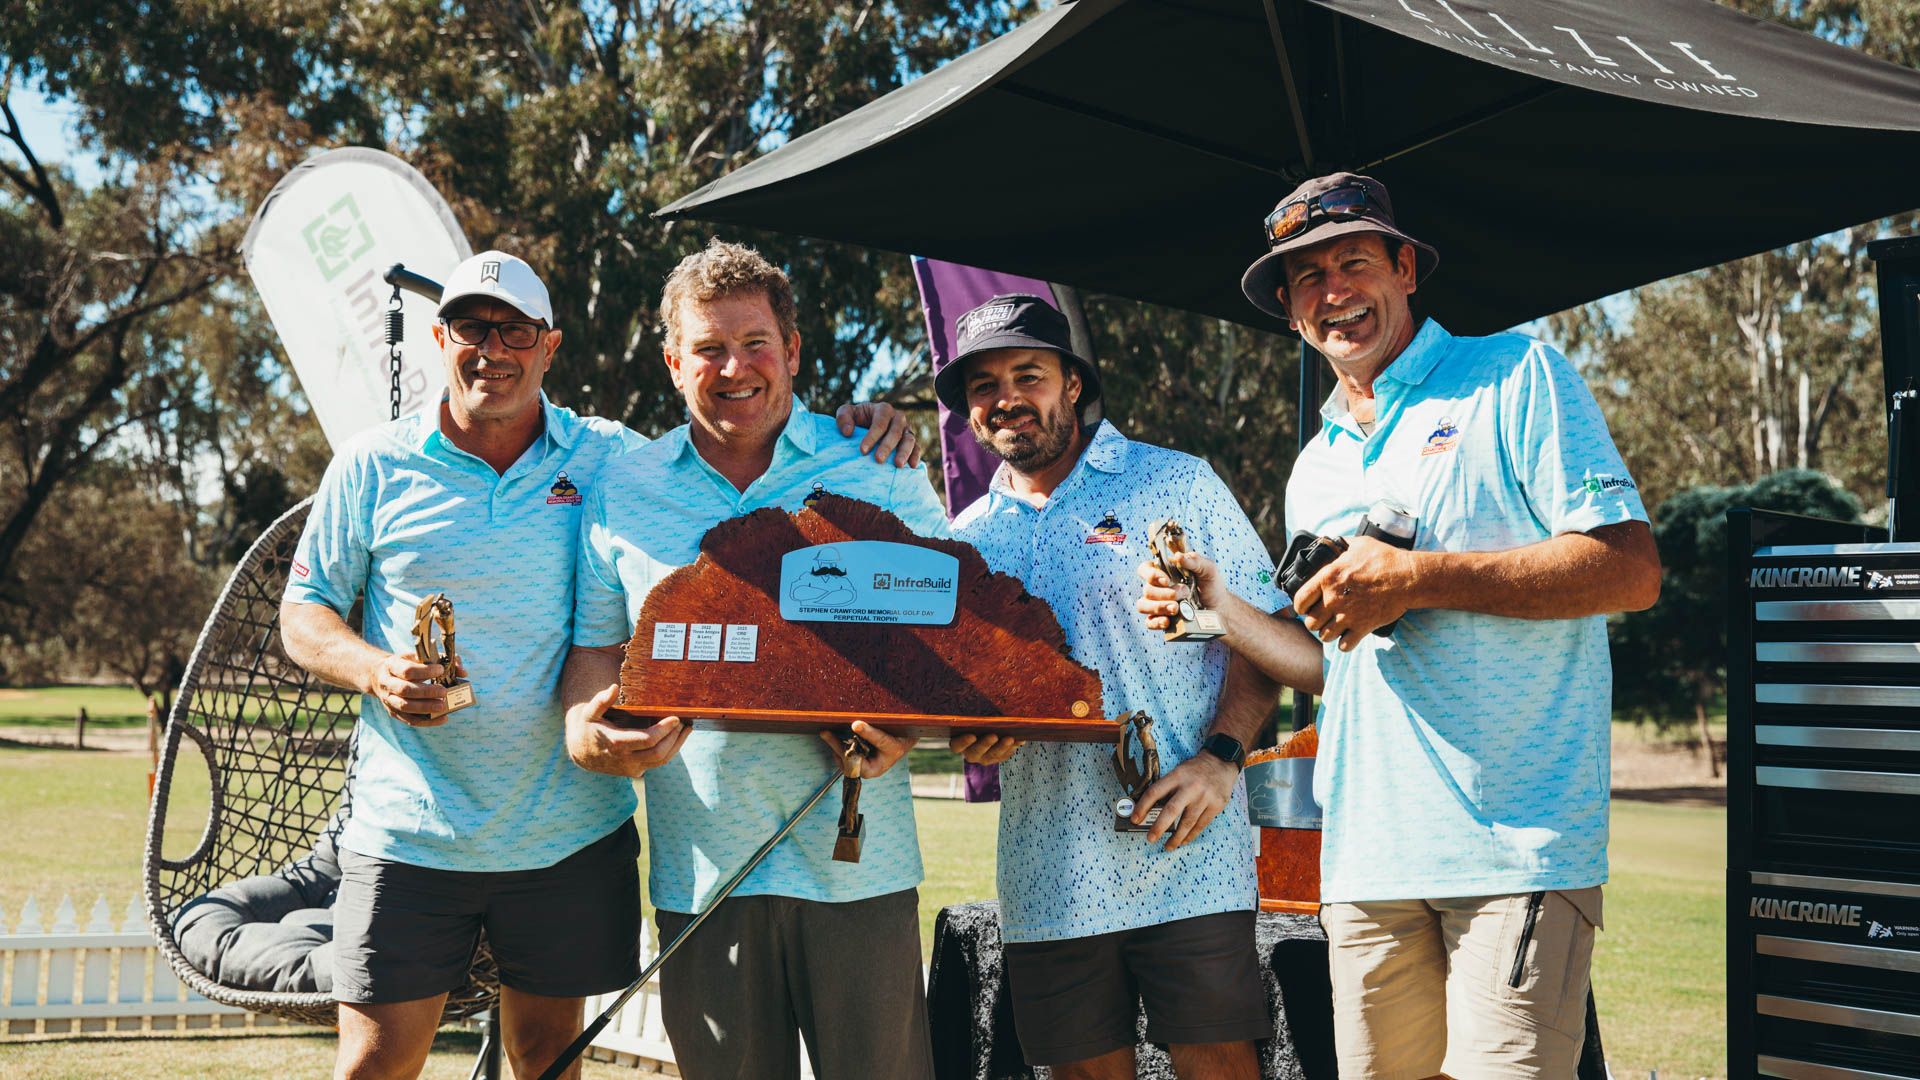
(1198, 978)
(845, 977)
(404, 932)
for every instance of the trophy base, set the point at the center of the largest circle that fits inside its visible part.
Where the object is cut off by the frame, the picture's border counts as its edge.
(1205, 625)
(1092, 728)
(459, 696)
(846, 846)
(1123, 817)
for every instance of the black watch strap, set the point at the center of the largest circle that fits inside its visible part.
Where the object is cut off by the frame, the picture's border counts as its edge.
(1226, 748)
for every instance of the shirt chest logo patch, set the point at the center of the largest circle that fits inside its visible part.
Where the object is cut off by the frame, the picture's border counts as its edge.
(563, 493)
(1445, 436)
(1108, 531)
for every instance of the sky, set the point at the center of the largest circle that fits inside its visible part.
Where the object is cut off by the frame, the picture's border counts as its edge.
(50, 126)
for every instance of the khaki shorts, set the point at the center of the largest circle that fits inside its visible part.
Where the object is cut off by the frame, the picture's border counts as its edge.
(1479, 987)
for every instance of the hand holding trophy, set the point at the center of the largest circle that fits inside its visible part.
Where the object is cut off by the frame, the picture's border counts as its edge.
(436, 611)
(1193, 623)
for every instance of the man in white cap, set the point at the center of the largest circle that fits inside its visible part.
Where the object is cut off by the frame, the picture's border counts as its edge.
(477, 821)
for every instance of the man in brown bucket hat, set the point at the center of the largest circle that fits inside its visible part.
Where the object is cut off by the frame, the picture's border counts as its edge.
(1463, 747)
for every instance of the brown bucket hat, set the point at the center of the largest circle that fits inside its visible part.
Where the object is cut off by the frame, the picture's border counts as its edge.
(1319, 210)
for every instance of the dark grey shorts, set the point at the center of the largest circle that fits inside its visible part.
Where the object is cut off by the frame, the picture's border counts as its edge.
(1199, 979)
(845, 976)
(404, 932)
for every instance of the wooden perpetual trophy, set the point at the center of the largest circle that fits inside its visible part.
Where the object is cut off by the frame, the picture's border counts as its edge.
(807, 621)
(1193, 623)
(435, 612)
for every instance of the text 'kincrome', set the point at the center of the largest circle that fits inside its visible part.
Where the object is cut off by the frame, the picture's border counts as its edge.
(1806, 911)
(1803, 577)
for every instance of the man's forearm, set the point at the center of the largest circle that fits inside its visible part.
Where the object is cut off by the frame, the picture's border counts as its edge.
(319, 640)
(1247, 698)
(589, 671)
(1570, 576)
(1279, 648)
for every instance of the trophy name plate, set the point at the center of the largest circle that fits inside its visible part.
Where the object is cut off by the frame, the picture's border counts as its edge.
(795, 622)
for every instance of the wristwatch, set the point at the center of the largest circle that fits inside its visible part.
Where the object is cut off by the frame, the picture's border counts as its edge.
(1226, 748)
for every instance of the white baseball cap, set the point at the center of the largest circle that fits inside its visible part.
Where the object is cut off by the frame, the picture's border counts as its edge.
(502, 277)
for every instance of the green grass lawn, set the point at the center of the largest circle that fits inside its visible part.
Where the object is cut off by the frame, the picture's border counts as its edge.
(1660, 966)
(50, 706)
(74, 824)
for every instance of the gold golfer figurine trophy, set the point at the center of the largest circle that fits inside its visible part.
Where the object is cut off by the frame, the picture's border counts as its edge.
(437, 611)
(1193, 623)
(1137, 771)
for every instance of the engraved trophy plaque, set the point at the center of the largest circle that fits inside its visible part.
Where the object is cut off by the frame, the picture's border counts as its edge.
(435, 612)
(798, 622)
(1193, 623)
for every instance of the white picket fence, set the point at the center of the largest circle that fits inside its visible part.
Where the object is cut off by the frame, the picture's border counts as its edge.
(66, 979)
(63, 978)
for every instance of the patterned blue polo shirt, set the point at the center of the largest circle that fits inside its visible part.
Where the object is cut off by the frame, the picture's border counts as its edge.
(1064, 872)
(401, 513)
(1467, 755)
(725, 792)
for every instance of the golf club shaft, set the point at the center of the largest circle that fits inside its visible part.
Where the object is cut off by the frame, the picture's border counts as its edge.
(579, 1045)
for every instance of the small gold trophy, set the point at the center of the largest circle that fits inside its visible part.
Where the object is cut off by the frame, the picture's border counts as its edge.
(437, 611)
(1194, 623)
(1137, 772)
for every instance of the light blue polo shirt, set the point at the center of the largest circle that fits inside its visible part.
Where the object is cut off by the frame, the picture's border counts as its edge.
(725, 793)
(402, 513)
(1468, 754)
(1064, 872)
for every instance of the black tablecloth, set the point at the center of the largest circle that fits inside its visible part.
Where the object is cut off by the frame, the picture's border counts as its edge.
(972, 1017)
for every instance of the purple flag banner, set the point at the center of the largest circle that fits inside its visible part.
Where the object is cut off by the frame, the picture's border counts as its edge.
(948, 290)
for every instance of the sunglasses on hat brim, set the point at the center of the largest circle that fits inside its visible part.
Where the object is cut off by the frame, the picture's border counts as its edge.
(1347, 202)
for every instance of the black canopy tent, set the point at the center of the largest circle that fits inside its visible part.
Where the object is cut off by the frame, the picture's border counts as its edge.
(1554, 151)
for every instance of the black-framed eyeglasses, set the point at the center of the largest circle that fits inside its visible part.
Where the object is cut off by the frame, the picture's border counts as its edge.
(514, 334)
(1347, 201)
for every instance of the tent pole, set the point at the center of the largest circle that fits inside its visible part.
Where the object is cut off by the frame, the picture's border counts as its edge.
(1307, 422)
(1307, 160)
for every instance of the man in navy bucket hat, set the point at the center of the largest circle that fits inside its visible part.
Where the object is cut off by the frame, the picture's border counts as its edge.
(1097, 919)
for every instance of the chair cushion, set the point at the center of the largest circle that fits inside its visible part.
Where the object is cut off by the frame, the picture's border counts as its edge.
(272, 933)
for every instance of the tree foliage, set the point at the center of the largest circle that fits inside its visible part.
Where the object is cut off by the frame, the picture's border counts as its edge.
(1735, 372)
(130, 341)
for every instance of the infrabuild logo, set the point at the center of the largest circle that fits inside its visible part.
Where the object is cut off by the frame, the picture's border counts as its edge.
(337, 237)
(900, 583)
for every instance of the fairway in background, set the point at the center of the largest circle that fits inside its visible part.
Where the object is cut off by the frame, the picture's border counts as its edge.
(57, 705)
(1660, 965)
